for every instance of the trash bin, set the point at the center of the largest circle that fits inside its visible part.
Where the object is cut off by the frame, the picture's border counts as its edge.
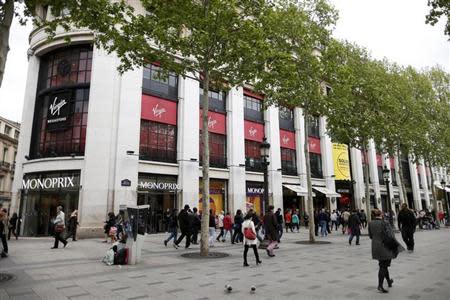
(137, 217)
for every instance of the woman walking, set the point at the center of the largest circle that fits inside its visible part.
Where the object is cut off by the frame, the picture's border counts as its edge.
(110, 224)
(73, 223)
(384, 248)
(238, 220)
(13, 226)
(60, 225)
(249, 232)
(173, 226)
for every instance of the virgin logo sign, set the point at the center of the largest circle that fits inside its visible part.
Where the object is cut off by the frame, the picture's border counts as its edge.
(252, 131)
(285, 140)
(55, 108)
(157, 111)
(212, 123)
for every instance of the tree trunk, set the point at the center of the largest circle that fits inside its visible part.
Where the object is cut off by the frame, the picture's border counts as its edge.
(367, 183)
(204, 246)
(402, 179)
(5, 26)
(310, 203)
(433, 191)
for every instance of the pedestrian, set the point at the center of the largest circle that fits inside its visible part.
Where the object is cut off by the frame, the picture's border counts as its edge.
(279, 217)
(120, 219)
(227, 226)
(250, 240)
(237, 227)
(323, 220)
(407, 224)
(441, 217)
(296, 221)
(196, 225)
(167, 220)
(72, 228)
(59, 225)
(220, 218)
(345, 217)
(316, 222)
(12, 227)
(363, 218)
(212, 228)
(334, 220)
(288, 220)
(384, 248)
(271, 229)
(354, 224)
(184, 220)
(173, 226)
(110, 228)
(3, 231)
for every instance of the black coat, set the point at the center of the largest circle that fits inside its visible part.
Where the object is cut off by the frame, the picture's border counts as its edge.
(376, 233)
(354, 223)
(185, 221)
(173, 221)
(406, 220)
(271, 224)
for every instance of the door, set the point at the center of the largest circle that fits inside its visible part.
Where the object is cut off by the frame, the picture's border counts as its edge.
(158, 204)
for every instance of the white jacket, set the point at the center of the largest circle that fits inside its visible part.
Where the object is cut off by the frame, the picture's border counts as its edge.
(249, 224)
(60, 219)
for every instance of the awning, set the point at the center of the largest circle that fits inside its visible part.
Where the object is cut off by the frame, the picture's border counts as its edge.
(301, 191)
(325, 191)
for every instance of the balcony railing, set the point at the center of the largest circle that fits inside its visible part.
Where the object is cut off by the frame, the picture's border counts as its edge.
(5, 166)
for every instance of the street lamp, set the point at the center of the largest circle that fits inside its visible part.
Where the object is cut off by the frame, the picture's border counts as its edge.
(444, 184)
(386, 173)
(264, 148)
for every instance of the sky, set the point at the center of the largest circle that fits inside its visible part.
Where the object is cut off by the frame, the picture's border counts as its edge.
(394, 29)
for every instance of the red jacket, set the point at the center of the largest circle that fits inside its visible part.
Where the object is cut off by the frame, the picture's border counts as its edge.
(227, 222)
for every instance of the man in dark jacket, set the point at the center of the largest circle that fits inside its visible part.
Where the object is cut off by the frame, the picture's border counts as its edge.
(271, 227)
(407, 225)
(184, 219)
(279, 217)
(196, 225)
(354, 223)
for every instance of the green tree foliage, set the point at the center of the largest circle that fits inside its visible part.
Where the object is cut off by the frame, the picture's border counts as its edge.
(438, 9)
(293, 72)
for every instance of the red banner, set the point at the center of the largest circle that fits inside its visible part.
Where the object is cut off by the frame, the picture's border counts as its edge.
(379, 160)
(158, 110)
(253, 131)
(216, 122)
(287, 139)
(392, 161)
(314, 145)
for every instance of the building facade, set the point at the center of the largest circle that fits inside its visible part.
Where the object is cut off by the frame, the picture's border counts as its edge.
(95, 140)
(9, 137)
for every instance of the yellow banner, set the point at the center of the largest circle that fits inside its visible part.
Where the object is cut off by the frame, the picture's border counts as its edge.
(341, 162)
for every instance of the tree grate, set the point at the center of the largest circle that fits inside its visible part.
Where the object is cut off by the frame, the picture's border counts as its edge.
(312, 243)
(211, 255)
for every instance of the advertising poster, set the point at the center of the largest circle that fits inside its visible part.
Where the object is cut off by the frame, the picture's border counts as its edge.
(254, 201)
(341, 162)
(216, 199)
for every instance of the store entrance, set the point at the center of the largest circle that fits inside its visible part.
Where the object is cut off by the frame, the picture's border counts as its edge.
(158, 203)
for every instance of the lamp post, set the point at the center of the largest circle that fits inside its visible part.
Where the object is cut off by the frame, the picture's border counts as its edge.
(386, 173)
(443, 183)
(264, 148)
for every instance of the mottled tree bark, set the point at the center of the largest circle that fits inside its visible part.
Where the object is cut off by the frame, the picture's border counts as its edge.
(5, 26)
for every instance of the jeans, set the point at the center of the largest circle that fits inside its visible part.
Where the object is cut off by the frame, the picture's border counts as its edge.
(194, 235)
(173, 234)
(225, 234)
(222, 232)
(59, 238)
(408, 238)
(271, 246)
(350, 239)
(184, 234)
(237, 236)
(335, 224)
(212, 235)
(323, 228)
(4, 242)
(280, 231)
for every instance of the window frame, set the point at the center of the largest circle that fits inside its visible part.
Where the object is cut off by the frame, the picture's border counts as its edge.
(288, 166)
(317, 171)
(160, 142)
(163, 87)
(253, 109)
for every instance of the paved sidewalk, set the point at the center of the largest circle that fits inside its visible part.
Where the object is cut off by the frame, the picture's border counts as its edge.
(333, 271)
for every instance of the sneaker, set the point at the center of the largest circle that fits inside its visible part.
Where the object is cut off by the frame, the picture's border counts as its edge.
(4, 254)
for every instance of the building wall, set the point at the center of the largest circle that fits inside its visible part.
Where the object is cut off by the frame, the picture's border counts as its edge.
(9, 134)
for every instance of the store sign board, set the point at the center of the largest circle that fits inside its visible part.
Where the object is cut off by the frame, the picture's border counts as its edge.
(58, 110)
(49, 183)
(162, 186)
(341, 162)
(125, 182)
(158, 110)
(314, 145)
(287, 139)
(216, 122)
(255, 191)
(253, 131)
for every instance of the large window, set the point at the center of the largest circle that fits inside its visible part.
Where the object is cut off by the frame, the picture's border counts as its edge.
(156, 83)
(253, 160)
(286, 118)
(217, 150)
(380, 175)
(314, 127)
(420, 180)
(393, 177)
(158, 142)
(216, 100)
(288, 161)
(253, 109)
(406, 172)
(316, 165)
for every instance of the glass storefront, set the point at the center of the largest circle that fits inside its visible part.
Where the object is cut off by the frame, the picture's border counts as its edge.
(41, 194)
(255, 196)
(160, 193)
(217, 197)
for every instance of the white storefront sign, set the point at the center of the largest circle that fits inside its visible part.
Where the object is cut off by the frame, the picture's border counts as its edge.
(151, 185)
(48, 183)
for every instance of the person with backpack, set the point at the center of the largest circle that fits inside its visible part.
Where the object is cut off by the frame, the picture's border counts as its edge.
(250, 240)
(407, 225)
(227, 226)
(173, 226)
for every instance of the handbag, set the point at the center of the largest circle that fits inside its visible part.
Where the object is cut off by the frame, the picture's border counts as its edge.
(388, 240)
(112, 231)
(59, 228)
(249, 234)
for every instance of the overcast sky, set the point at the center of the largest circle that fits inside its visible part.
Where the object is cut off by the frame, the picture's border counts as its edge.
(394, 29)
